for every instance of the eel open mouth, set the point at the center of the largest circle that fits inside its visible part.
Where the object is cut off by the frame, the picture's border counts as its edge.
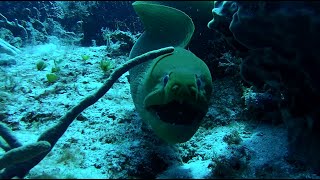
(177, 113)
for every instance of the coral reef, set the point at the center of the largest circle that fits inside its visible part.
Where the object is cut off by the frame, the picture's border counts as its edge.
(73, 22)
(283, 38)
(263, 121)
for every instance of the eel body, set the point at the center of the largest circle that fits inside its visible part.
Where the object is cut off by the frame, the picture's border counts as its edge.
(171, 93)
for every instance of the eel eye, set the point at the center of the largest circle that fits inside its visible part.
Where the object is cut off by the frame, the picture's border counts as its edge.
(165, 79)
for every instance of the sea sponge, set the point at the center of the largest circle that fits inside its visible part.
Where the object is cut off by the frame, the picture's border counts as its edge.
(284, 40)
(41, 65)
(51, 77)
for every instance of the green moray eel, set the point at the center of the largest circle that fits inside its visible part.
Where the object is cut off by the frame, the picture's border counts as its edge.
(171, 93)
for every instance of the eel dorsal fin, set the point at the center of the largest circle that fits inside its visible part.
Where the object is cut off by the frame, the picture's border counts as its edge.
(163, 25)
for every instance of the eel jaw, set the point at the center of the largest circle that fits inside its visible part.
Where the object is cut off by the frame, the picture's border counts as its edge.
(177, 113)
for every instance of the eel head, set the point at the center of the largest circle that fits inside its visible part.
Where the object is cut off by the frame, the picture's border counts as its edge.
(178, 99)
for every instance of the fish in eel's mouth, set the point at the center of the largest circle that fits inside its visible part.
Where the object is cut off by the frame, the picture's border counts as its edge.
(178, 113)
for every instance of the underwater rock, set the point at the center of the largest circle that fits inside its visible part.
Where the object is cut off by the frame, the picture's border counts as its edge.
(7, 48)
(7, 35)
(118, 42)
(283, 36)
(222, 16)
(7, 60)
(233, 163)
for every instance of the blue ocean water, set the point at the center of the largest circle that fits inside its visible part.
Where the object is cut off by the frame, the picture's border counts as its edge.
(159, 89)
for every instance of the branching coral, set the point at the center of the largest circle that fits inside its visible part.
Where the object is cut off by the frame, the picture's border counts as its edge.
(15, 24)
